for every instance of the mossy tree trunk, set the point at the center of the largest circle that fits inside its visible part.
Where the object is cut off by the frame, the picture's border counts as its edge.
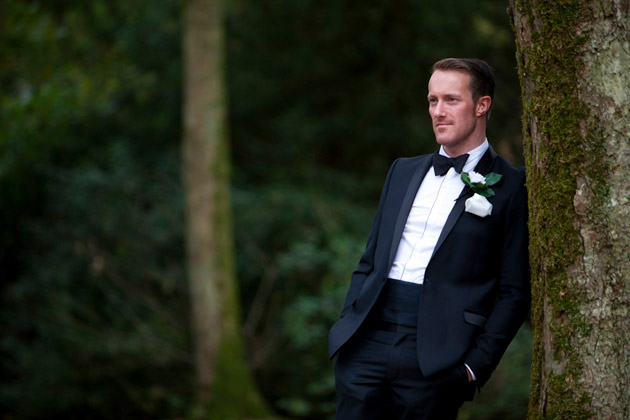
(574, 60)
(224, 383)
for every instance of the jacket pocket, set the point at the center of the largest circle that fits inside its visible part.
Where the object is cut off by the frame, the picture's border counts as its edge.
(475, 319)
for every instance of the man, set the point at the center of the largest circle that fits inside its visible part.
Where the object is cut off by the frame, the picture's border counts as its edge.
(443, 284)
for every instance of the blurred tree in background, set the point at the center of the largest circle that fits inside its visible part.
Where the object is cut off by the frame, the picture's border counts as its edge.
(322, 97)
(224, 388)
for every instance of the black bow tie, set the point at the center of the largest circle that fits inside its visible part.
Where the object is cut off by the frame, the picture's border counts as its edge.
(441, 164)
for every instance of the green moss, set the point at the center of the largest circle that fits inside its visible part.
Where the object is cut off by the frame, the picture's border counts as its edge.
(565, 148)
(235, 396)
(570, 408)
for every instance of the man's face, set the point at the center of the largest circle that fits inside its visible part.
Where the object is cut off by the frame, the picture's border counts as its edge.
(456, 120)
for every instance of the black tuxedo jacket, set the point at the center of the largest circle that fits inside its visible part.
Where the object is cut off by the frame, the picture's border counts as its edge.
(476, 287)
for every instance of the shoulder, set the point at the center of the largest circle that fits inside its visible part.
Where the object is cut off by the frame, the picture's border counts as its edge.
(512, 186)
(410, 162)
(510, 172)
(414, 159)
(405, 167)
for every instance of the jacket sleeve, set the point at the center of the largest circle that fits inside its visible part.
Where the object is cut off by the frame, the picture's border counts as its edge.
(513, 299)
(366, 263)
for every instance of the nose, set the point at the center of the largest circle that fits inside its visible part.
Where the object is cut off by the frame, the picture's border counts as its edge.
(438, 109)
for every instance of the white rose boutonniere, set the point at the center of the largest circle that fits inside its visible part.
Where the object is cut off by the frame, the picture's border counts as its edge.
(478, 204)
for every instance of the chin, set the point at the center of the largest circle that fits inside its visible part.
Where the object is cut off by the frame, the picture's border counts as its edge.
(446, 142)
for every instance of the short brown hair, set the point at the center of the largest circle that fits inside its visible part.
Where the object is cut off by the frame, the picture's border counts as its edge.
(481, 75)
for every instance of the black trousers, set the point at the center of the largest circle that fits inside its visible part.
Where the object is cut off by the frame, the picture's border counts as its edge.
(377, 377)
(377, 374)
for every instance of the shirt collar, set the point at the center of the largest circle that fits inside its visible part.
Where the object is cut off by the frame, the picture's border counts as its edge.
(474, 156)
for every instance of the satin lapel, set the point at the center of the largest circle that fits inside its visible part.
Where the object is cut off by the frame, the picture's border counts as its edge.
(483, 167)
(486, 162)
(405, 207)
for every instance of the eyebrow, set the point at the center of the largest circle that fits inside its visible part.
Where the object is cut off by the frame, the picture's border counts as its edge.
(450, 95)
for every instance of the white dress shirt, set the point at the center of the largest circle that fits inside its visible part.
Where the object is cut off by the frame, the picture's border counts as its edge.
(433, 203)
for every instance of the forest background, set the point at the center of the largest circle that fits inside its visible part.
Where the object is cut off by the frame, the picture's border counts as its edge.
(323, 96)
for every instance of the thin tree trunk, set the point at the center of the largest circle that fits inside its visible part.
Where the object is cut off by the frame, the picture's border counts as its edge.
(225, 387)
(573, 60)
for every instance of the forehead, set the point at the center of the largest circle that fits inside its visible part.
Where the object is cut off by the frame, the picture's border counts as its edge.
(449, 82)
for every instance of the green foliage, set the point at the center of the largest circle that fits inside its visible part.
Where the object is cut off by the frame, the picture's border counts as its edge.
(102, 305)
(94, 309)
(309, 237)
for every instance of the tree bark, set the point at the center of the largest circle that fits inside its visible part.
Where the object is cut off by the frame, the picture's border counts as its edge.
(225, 387)
(573, 59)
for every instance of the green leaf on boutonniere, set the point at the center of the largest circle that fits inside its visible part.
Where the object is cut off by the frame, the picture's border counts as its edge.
(481, 184)
(493, 178)
(485, 191)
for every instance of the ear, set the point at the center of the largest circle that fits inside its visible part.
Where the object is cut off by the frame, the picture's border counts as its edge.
(483, 106)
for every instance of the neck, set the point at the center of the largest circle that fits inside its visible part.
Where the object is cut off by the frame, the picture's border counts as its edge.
(460, 149)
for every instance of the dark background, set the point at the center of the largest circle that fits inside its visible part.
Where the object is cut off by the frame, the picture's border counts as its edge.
(323, 96)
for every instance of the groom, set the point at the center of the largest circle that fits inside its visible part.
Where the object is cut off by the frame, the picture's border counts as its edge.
(443, 284)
